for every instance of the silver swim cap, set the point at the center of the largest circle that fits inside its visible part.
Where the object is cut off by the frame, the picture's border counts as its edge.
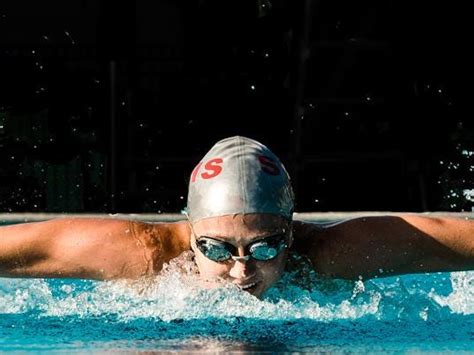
(237, 176)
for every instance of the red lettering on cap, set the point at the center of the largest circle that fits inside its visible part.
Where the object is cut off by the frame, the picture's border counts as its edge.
(269, 165)
(195, 171)
(213, 166)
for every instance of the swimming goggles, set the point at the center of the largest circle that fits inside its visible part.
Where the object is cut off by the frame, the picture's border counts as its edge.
(262, 250)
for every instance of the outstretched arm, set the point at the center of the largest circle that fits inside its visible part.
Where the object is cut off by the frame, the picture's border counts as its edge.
(82, 248)
(382, 246)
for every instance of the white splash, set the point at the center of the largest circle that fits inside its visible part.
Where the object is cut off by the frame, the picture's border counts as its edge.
(177, 294)
(461, 300)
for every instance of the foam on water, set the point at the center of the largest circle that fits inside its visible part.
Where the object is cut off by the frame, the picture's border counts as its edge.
(300, 311)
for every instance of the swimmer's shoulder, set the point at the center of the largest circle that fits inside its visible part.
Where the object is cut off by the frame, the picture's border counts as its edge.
(321, 241)
(170, 239)
(310, 236)
(306, 232)
(310, 231)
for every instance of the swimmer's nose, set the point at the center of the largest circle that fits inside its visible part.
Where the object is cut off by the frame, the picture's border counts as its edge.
(240, 268)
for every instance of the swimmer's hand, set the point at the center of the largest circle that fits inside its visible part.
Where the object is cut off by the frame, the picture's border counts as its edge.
(388, 245)
(100, 249)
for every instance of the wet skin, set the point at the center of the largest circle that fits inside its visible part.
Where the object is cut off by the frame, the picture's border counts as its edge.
(240, 230)
(365, 247)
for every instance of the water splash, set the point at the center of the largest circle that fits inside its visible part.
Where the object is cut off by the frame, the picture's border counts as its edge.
(173, 311)
(178, 294)
(461, 300)
(68, 35)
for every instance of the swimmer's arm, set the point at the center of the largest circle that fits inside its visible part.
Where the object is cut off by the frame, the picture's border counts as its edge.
(99, 249)
(390, 245)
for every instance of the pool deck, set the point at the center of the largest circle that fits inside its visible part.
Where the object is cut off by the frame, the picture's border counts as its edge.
(172, 217)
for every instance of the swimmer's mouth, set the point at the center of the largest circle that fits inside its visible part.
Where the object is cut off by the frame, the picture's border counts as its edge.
(248, 287)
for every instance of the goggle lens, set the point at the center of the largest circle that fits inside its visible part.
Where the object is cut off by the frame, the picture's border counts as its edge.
(214, 250)
(263, 250)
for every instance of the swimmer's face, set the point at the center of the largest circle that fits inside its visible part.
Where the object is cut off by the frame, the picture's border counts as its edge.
(241, 230)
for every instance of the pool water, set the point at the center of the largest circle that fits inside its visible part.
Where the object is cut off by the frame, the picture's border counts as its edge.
(426, 312)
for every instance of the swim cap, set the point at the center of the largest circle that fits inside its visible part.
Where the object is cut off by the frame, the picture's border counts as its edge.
(239, 175)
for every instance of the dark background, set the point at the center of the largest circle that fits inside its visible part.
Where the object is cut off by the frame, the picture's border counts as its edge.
(106, 106)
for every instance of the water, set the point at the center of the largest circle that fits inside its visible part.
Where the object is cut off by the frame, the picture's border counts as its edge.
(432, 312)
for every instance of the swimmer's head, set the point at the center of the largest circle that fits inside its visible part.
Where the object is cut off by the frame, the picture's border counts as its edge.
(239, 176)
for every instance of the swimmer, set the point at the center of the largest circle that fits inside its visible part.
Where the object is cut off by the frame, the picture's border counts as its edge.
(240, 228)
